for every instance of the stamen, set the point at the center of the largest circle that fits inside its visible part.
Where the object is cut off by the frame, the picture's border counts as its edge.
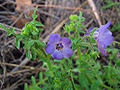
(59, 46)
(95, 35)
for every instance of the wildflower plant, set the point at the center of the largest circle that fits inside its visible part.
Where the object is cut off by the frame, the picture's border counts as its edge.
(71, 62)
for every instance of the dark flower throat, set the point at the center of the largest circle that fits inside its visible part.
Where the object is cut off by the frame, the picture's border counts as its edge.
(59, 46)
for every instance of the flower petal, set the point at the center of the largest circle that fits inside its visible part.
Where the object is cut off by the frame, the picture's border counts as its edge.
(89, 30)
(102, 27)
(108, 24)
(101, 48)
(54, 37)
(66, 41)
(67, 52)
(57, 55)
(105, 37)
(50, 48)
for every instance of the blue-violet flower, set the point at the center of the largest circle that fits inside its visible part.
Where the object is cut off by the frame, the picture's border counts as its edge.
(103, 37)
(59, 47)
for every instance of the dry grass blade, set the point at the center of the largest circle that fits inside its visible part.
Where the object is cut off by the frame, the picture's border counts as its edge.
(94, 9)
(27, 67)
(56, 29)
(16, 72)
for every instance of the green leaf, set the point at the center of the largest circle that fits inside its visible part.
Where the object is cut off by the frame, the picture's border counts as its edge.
(18, 38)
(28, 44)
(110, 4)
(95, 85)
(92, 40)
(83, 81)
(37, 88)
(26, 86)
(67, 28)
(45, 88)
(4, 27)
(92, 32)
(82, 26)
(34, 16)
(40, 43)
(94, 55)
(80, 14)
(25, 32)
(73, 17)
(10, 31)
(116, 27)
(40, 29)
(35, 29)
(37, 23)
(40, 76)
(28, 54)
(34, 33)
(17, 43)
(29, 27)
(41, 57)
(33, 81)
(33, 53)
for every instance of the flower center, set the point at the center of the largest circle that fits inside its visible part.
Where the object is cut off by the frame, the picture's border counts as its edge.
(95, 35)
(59, 46)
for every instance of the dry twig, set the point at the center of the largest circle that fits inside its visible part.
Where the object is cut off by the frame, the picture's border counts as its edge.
(94, 9)
(27, 67)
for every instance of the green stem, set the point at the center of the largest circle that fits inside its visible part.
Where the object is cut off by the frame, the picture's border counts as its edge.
(108, 88)
(43, 51)
(72, 81)
(50, 68)
(80, 55)
(47, 60)
(116, 42)
(69, 35)
(89, 79)
(79, 52)
(84, 38)
(40, 82)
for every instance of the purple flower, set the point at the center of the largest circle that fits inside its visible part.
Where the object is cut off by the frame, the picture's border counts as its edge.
(103, 37)
(59, 47)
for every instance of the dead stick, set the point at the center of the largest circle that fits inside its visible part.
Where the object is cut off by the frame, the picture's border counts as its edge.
(27, 67)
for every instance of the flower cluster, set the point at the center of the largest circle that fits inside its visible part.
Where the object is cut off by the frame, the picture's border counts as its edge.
(59, 47)
(103, 37)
